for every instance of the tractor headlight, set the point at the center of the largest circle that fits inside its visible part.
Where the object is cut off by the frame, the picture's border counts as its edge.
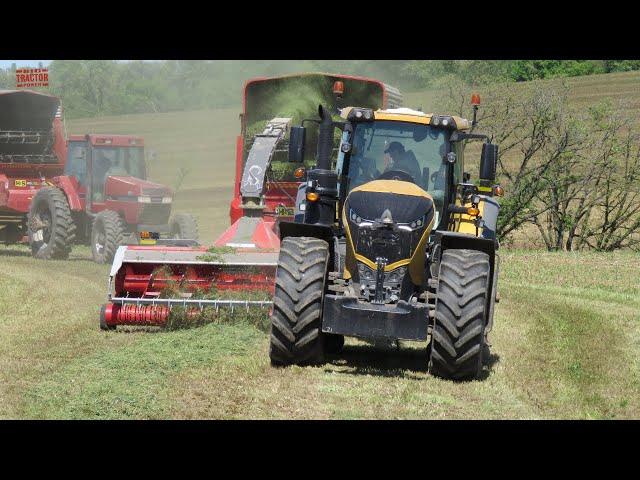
(416, 224)
(396, 275)
(365, 273)
(360, 115)
(444, 121)
(144, 199)
(166, 199)
(354, 216)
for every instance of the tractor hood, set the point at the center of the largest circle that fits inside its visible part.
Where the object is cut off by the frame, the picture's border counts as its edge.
(126, 186)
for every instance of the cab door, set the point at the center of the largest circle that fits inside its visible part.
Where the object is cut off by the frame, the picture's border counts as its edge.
(77, 165)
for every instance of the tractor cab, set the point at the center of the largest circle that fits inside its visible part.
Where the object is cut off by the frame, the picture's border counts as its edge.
(406, 145)
(92, 159)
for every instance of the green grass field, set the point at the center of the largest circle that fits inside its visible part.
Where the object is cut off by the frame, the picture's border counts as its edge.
(566, 344)
(566, 339)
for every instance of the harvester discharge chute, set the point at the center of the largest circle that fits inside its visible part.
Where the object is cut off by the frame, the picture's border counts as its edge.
(147, 283)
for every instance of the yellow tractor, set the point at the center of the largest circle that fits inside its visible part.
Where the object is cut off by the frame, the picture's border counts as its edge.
(396, 242)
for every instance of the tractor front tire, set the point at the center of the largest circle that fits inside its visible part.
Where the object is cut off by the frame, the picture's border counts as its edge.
(458, 335)
(296, 318)
(107, 234)
(50, 227)
(184, 226)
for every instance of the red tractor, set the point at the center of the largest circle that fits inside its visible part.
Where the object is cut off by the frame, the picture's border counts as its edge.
(91, 189)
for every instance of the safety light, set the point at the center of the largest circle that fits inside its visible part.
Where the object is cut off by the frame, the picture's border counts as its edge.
(338, 88)
(313, 196)
(444, 121)
(498, 191)
(475, 99)
(299, 172)
(472, 211)
(359, 114)
(106, 141)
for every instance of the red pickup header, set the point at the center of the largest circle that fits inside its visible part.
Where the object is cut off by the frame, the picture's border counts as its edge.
(32, 77)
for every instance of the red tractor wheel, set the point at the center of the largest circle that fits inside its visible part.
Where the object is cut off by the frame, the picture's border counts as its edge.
(184, 226)
(50, 226)
(107, 234)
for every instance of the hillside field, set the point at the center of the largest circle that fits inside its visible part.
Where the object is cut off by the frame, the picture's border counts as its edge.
(566, 339)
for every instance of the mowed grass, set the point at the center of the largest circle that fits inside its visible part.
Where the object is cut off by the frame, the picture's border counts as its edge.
(566, 344)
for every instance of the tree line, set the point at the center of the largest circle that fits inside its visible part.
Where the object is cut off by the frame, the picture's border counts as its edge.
(106, 87)
(571, 175)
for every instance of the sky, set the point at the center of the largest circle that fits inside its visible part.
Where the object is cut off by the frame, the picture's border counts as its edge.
(23, 63)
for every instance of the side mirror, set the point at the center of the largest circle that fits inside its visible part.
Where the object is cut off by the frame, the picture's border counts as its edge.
(297, 137)
(488, 162)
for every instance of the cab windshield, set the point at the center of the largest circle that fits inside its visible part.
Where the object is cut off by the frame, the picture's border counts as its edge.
(115, 161)
(400, 150)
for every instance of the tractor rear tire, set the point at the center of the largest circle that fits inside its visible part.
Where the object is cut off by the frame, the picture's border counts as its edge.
(184, 226)
(296, 318)
(458, 335)
(50, 227)
(107, 234)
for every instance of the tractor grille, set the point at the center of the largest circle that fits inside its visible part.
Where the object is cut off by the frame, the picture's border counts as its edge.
(155, 214)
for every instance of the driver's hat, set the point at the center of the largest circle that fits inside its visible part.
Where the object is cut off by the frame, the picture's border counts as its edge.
(394, 147)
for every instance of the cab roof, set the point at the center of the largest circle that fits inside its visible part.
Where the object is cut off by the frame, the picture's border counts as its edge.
(109, 140)
(413, 116)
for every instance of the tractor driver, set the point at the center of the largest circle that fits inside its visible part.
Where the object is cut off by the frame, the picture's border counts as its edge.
(101, 165)
(396, 158)
(117, 168)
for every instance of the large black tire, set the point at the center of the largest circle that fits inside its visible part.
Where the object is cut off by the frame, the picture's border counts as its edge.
(296, 318)
(458, 336)
(50, 227)
(107, 234)
(184, 227)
